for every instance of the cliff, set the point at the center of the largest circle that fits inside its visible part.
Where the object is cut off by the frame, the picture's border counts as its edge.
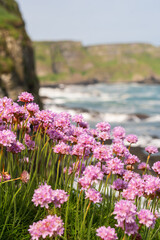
(71, 62)
(17, 68)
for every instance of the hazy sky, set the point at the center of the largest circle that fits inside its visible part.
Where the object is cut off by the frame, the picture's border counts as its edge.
(93, 21)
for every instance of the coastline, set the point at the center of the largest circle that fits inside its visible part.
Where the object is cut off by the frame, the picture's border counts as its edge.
(62, 84)
(56, 100)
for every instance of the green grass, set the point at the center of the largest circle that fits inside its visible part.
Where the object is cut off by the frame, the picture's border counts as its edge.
(8, 19)
(54, 77)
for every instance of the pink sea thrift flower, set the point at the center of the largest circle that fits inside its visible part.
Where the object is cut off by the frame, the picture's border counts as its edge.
(62, 148)
(102, 153)
(86, 141)
(5, 101)
(119, 132)
(131, 159)
(55, 135)
(116, 166)
(79, 150)
(119, 184)
(93, 172)
(120, 150)
(77, 118)
(143, 166)
(7, 137)
(135, 188)
(90, 175)
(132, 138)
(93, 195)
(125, 211)
(45, 116)
(146, 218)
(32, 108)
(18, 112)
(16, 147)
(62, 120)
(42, 196)
(29, 143)
(106, 233)
(156, 167)
(93, 132)
(7, 115)
(84, 125)
(59, 197)
(25, 97)
(103, 136)
(103, 127)
(45, 195)
(151, 185)
(128, 175)
(130, 228)
(151, 149)
(51, 226)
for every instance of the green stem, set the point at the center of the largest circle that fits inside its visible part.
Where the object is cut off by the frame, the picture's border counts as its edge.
(57, 177)
(147, 163)
(85, 216)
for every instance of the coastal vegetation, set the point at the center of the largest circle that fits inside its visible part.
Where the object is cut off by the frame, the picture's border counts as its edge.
(17, 71)
(71, 62)
(61, 179)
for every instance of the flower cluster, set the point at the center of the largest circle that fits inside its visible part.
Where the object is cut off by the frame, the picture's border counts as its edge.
(146, 218)
(106, 233)
(93, 195)
(125, 212)
(25, 97)
(7, 138)
(44, 195)
(31, 137)
(51, 226)
(90, 175)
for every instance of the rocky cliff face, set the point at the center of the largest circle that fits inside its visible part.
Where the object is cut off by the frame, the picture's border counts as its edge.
(71, 62)
(17, 69)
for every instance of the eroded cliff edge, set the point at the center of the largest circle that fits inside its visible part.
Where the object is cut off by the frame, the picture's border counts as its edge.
(71, 62)
(17, 68)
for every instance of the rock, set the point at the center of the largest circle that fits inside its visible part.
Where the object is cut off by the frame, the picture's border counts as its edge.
(17, 68)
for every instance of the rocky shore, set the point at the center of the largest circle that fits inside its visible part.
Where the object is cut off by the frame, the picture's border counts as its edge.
(61, 84)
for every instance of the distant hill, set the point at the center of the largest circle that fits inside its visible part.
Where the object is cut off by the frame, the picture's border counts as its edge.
(17, 69)
(71, 62)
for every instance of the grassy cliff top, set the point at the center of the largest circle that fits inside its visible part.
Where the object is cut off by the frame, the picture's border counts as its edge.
(68, 61)
(10, 16)
(11, 26)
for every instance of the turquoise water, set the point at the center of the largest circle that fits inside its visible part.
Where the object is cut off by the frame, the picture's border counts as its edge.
(118, 98)
(134, 106)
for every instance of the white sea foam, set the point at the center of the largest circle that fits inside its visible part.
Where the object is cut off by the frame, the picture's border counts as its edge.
(120, 118)
(155, 118)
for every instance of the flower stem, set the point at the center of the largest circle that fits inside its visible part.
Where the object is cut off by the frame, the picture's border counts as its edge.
(85, 216)
(147, 162)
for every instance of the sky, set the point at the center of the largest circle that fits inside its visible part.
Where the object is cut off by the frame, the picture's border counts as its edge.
(93, 21)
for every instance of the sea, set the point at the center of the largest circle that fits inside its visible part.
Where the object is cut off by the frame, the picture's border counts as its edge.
(136, 107)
